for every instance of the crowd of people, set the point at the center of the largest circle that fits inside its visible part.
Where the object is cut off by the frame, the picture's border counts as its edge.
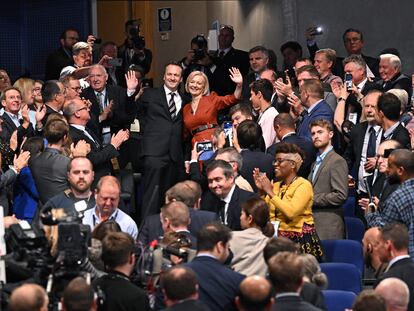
(244, 170)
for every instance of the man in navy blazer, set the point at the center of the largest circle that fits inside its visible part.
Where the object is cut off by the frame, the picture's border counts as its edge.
(311, 96)
(218, 285)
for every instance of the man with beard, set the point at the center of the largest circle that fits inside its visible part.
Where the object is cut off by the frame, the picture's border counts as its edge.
(78, 196)
(370, 247)
(398, 207)
(329, 178)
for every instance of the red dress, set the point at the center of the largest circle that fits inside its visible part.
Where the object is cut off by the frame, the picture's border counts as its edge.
(206, 114)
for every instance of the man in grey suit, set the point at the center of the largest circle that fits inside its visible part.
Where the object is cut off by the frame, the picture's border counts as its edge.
(329, 178)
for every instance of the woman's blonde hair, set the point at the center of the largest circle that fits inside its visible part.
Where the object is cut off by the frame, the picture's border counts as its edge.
(25, 85)
(191, 76)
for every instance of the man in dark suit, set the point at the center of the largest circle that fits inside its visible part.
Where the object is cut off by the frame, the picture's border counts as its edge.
(388, 115)
(286, 273)
(162, 141)
(218, 285)
(395, 293)
(285, 131)
(77, 113)
(225, 197)
(329, 178)
(316, 108)
(225, 58)
(53, 95)
(180, 289)
(255, 294)
(63, 56)
(394, 249)
(259, 59)
(11, 100)
(188, 192)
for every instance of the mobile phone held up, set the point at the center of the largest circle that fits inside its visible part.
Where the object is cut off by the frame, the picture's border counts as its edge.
(348, 82)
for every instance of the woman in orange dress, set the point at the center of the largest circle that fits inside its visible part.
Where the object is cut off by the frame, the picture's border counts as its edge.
(200, 116)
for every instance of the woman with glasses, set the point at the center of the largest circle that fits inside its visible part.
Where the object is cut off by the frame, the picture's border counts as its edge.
(290, 199)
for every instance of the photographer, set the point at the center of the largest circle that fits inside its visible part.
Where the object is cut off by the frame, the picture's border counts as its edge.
(133, 51)
(119, 259)
(197, 58)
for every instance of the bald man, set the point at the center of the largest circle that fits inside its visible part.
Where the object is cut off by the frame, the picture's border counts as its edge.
(29, 297)
(395, 293)
(255, 294)
(371, 253)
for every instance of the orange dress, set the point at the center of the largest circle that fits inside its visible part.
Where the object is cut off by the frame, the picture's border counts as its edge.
(206, 113)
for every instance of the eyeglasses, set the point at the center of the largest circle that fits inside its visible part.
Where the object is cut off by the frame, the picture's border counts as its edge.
(36, 90)
(83, 108)
(280, 161)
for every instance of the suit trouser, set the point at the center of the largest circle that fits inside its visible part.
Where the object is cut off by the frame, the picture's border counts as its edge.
(160, 174)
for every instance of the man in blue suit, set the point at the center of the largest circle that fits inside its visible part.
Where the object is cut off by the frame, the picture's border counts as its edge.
(311, 96)
(218, 285)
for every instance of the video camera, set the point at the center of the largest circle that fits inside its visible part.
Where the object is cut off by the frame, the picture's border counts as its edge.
(202, 44)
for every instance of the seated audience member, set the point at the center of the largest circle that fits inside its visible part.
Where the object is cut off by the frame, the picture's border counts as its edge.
(15, 116)
(290, 199)
(349, 105)
(4, 80)
(180, 288)
(395, 293)
(324, 61)
(329, 178)
(25, 194)
(285, 132)
(218, 285)
(249, 136)
(310, 292)
(53, 95)
(255, 294)
(78, 196)
(119, 259)
(230, 155)
(393, 247)
(312, 271)
(259, 59)
(175, 217)
(31, 297)
(371, 250)
(391, 75)
(260, 96)
(247, 245)
(369, 300)
(286, 275)
(388, 116)
(62, 57)
(188, 192)
(78, 296)
(227, 196)
(397, 208)
(107, 199)
(353, 43)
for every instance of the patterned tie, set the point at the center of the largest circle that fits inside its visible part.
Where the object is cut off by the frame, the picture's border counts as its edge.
(101, 101)
(171, 106)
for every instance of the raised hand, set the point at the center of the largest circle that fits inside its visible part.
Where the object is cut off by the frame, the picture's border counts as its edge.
(13, 141)
(236, 76)
(40, 113)
(131, 80)
(21, 161)
(106, 112)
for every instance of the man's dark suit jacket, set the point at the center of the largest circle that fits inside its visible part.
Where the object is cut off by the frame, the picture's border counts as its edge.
(55, 63)
(304, 144)
(218, 285)
(188, 305)
(401, 135)
(321, 111)
(247, 80)
(49, 173)
(403, 269)
(151, 228)
(292, 303)
(8, 127)
(210, 202)
(353, 151)
(400, 81)
(256, 159)
(123, 111)
(99, 156)
(221, 82)
(162, 135)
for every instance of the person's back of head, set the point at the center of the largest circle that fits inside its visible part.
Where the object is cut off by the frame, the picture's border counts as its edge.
(49, 90)
(313, 272)
(368, 300)
(249, 134)
(188, 192)
(404, 158)
(313, 88)
(212, 234)
(176, 214)
(179, 283)
(286, 272)
(310, 69)
(78, 296)
(397, 234)
(395, 292)
(29, 297)
(284, 121)
(117, 248)
(56, 131)
(279, 244)
(104, 228)
(390, 106)
(255, 294)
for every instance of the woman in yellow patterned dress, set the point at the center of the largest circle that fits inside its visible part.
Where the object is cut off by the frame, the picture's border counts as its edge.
(290, 199)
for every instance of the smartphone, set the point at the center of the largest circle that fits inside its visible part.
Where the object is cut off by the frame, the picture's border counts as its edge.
(204, 146)
(348, 82)
(318, 31)
(228, 132)
(115, 62)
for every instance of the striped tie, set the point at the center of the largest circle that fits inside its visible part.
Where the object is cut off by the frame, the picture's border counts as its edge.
(171, 106)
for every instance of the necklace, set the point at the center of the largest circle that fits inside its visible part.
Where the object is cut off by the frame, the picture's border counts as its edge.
(282, 193)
